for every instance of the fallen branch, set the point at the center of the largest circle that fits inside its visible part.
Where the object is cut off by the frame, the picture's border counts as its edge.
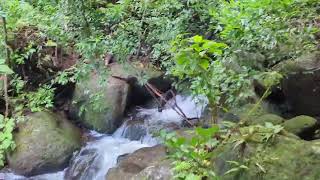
(175, 107)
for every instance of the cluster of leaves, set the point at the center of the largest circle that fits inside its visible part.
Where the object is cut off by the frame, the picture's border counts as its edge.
(146, 28)
(34, 101)
(200, 61)
(192, 155)
(6, 139)
(263, 33)
(253, 36)
(193, 152)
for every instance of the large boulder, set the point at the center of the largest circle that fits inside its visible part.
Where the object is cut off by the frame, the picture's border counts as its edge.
(44, 143)
(285, 158)
(301, 85)
(145, 163)
(100, 106)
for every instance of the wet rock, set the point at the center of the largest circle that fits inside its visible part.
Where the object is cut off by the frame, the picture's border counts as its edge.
(301, 125)
(44, 143)
(231, 117)
(80, 164)
(97, 157)
(284, 159)
(301, 86)
(146, 162)
(157, 171)
(133, 130)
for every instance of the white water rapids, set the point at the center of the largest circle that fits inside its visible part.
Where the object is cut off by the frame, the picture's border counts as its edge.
(94, 160)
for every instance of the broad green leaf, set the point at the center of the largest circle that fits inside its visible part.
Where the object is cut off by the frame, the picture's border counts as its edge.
(232, 170)
(204, 63)
(193, 177)
(50, 43)
(4, 69)
(198, 39)
(2, 61)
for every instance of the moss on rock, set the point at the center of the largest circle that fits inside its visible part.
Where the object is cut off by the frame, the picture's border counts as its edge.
(272, 118)
(285, 158)
(44, 143)
(299, 124)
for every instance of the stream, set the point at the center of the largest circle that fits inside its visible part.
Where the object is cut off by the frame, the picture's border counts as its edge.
(101, 153)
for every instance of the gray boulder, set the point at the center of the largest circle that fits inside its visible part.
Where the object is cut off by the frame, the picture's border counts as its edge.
(145, 163)
(44, 143)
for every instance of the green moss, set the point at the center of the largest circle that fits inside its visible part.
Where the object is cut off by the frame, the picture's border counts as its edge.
(43, 140)
(272, 118)
(285, 158)
(299, 124)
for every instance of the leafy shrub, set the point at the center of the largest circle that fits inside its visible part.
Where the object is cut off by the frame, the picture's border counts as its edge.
(200, 61)
(146, 28)
(6, 139)
(191, 156)
(262, 33)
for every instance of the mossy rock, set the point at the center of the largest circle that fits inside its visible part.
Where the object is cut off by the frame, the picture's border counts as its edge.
(44, 143)
(272, 118)
(145, 163)
(284, 158)
(301, 85)
(299, 124)
(248, 112)
(100, 106)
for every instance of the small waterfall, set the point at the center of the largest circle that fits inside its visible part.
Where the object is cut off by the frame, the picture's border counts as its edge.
(94, 160)
(192, 107)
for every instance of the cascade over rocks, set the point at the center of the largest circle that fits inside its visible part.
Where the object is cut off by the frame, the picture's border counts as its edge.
(45, 142)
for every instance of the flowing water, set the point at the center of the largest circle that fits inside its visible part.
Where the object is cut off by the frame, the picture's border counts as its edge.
(94, 160)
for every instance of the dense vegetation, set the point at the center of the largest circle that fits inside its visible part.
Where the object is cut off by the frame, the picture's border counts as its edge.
(216, 47)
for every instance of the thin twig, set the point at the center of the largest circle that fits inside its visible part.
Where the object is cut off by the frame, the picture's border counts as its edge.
(175, 107)
(5, 80)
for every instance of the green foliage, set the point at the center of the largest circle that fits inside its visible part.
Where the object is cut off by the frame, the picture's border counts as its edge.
(200, 61)
(257, 133)
(20, 57)
(4, 68)
(146, 28)
(192, 155)
(34, 101)
(236, 167)
(40, 99)
(6, 139)
(276, 30)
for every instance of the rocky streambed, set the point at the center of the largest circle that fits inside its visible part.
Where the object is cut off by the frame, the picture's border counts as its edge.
(115, 147)
(102, 151)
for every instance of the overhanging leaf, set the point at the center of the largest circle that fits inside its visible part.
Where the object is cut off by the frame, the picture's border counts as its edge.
(4, 69)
